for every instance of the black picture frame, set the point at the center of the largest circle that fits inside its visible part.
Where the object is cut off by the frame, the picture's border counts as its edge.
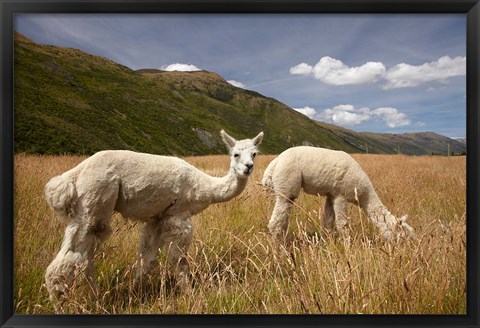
(471, 8)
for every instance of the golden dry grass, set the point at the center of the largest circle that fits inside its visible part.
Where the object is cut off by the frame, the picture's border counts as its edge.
(236, 266)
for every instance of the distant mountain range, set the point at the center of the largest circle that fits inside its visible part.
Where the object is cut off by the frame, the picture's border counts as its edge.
(461, 140)
(68, 101)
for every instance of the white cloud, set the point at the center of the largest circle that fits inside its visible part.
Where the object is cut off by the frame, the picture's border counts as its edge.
(333, 71)
(348, 115)
(307, 111)
(236, 84)
(301, 69)
(345, 115)
(405, 75)
(348, 108)
(392, 116)
(180, 67)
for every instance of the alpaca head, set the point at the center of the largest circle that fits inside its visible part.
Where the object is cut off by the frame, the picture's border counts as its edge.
(242, 153)
(398, 228)
(405, 230)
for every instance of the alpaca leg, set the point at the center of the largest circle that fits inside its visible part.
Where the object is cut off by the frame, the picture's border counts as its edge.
(150, 241)
(176, 237)
(74, 257)
(60, 271)
(83, 235)
(279, 220)
(341, 219)
(328, 214)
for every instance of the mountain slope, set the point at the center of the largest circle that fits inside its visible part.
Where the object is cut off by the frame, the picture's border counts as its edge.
(68, 101)
(420, 143)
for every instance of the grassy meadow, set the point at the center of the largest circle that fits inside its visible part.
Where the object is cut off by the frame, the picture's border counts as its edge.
(236, 266)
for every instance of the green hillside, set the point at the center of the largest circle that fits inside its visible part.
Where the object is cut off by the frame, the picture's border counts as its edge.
(67, 101)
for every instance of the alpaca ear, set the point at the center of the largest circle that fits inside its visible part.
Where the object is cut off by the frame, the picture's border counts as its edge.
(258, 139)
(228, 140)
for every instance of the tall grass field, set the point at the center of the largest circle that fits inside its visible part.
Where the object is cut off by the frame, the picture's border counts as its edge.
(237, 268)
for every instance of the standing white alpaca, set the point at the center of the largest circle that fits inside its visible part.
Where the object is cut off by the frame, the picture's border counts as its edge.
(333, 174)
(162, 191)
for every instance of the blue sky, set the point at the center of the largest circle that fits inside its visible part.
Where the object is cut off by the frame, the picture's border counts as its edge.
(378, 73)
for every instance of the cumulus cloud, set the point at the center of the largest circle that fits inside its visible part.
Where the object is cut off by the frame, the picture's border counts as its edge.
(348, 115)
(345, 115)
(333, 71)
(392, 116)
(301, 69)
(405, 75)
(180, 67)
(307, 111)
(236, 84)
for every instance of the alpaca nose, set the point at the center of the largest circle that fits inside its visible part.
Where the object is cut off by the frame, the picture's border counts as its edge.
(249, 166)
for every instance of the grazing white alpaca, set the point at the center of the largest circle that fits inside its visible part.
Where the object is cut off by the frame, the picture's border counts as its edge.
(330, 173)
(162, 191)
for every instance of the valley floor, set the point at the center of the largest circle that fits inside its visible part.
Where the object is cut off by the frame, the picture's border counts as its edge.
(237, 268)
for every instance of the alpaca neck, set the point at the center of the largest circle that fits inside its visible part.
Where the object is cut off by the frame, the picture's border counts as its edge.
(225, 188)
(373, 204)
(380, 215)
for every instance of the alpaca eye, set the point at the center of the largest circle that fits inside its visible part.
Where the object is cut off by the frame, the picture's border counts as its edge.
(254, 154)
(236, 155)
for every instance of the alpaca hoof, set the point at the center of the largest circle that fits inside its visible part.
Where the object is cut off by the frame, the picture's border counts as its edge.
(56, 294)
(183, 283)
(280, 237)
(56, 289)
